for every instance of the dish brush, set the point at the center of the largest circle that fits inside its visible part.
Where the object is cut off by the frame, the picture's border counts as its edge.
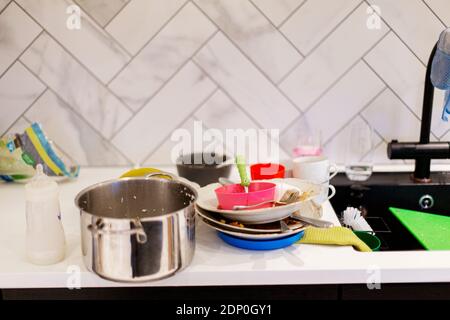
(352, 218)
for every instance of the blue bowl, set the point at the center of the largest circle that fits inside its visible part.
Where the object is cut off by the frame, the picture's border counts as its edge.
(260, 244)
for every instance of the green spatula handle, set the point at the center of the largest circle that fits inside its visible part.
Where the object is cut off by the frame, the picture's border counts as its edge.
(240, 163)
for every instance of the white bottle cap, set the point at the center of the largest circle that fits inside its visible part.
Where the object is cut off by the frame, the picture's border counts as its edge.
(41, 187)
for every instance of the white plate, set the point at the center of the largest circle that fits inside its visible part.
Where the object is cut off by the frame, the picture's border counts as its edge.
(207, 200)
(215, 218)
(250, 236)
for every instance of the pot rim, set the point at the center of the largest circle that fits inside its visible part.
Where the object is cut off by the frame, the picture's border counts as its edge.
(98, 184)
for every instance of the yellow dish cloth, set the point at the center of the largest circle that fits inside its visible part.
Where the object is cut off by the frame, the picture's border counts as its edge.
(339, 236)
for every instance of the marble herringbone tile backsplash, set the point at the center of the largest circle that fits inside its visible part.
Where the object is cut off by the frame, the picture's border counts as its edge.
(112, 92)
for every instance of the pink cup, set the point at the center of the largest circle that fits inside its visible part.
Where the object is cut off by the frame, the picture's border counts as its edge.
(234, 195)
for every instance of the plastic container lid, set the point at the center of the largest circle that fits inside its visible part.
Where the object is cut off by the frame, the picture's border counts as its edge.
(41, 187)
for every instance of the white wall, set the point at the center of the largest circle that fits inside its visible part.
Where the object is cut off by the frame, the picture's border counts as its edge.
(112, 92)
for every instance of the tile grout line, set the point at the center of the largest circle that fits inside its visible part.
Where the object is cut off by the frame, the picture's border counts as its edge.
(209, 128)
(77, 3)
(22, 52)
(432, 134)
(356, 115)
(390, 88)
(289, 16)
(395, 32)
(3, 134)
(146, 43)
(448, 131)
(22, 116)
(374, 147)
(230, 96)
(376, 132)
(115, 15)
(226, 151)
(6, 6)
(259, 125)
(312, 50)
(26, 110)
(434, 13)
(289, 153)
(276, 29)
(163, 85)
(285, 76)
(335, 82)
(224, 142)
(192, 115)
(328, 35)
(73, 110)
(87, 13)
(78, 61)
(96, 23)
(368, 64)
(368, 123)
(198, 119)
(67, 106)
(238, 105)
(177, 70)
(248, 58)
(379, 144)
(110, 37)
(191, 59)
(166, 138)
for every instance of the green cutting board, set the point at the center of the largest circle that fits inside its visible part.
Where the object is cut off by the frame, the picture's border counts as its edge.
(431, 230)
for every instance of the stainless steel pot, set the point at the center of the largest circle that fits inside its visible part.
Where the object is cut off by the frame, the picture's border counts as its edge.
(137, 229)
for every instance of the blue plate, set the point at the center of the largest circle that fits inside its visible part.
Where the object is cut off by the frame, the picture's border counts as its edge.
(260, 244)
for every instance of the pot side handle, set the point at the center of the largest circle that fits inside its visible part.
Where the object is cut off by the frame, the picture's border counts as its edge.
(137, 229)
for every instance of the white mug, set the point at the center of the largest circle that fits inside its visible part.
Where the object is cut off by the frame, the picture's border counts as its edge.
(317, 169)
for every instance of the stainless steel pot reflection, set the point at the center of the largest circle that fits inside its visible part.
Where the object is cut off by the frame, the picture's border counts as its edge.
(137, 229)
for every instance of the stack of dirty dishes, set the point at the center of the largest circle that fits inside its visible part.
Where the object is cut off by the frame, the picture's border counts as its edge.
(258, 215)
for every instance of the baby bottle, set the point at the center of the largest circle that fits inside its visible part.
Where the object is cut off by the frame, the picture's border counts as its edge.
(45, 241)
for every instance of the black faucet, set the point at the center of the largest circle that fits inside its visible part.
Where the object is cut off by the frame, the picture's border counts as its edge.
(424, 150)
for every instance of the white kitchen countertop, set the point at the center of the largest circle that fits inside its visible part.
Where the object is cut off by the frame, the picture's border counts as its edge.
(215, 263)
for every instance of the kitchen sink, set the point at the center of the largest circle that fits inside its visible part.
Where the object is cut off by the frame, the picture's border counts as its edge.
(384, 190)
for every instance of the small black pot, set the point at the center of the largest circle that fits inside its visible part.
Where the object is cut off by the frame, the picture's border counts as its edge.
(197, 167)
